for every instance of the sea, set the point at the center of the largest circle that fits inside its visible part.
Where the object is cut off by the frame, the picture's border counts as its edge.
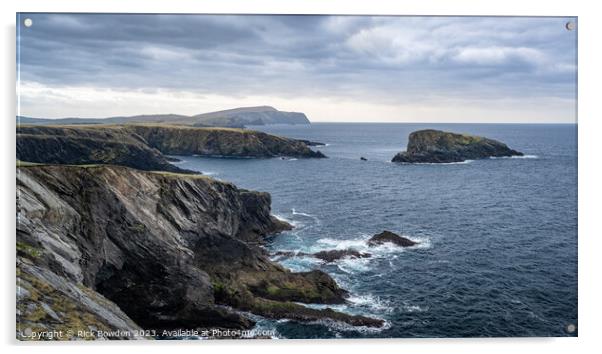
(497, 252)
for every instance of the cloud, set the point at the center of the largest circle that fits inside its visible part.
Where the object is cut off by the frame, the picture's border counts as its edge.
(382, 60)
(499, 55)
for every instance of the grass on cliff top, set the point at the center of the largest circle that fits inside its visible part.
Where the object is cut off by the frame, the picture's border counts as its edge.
(183, 127)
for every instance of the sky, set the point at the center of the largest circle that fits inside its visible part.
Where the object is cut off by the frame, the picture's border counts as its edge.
(332, 68)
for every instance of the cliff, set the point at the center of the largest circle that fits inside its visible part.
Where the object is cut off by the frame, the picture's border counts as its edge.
(143, 146)
(232, 118)
(231, 142)
(113, 248)
(78, 145)
(245, 116)
(435, 146)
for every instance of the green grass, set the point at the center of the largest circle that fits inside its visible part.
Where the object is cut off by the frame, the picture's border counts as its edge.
(28, 250)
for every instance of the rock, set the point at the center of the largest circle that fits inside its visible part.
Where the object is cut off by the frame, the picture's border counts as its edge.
(118, 248)
(435, 146)
(233, 118)
(22, 293)
(328, 255)
(143, 146)
(50, 311)
(333, 255)
(220, 142)
(387, 236)
(78, 306)
(311, 143)
(245, 116)
(293, 311)
(84, 145)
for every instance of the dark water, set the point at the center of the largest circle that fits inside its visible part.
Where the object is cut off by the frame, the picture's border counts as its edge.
(498, 237)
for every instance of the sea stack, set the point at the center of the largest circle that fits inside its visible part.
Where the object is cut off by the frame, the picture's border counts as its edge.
(435, 146)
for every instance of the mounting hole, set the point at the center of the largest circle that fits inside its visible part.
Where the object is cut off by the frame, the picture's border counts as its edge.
(570, 26)
(571, 328)
(28, 22)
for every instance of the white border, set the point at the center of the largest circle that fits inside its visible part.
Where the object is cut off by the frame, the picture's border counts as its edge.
(589, 170)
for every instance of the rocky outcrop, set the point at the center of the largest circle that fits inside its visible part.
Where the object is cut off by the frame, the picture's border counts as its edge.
(143, 146)
(326, 255)
(246, 116)
(388, 236)
(229, 142)
(111, 247)
(435, 146)
(311, 143)
(231, 118)
(333, 255)
(82, 145)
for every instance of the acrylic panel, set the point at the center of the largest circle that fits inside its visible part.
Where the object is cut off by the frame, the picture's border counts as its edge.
(195, 176)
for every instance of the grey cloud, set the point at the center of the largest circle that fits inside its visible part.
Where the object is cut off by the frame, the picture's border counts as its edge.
(391, 59)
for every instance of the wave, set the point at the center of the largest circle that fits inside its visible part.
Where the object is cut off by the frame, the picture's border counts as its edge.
(345, 327)
(371, 302)
(291, 221)
(525, 157)
(295, 212)
(361, 244)
(299, 263)
(515, 157)
(413, 308)
(353, 265)
(465, 162)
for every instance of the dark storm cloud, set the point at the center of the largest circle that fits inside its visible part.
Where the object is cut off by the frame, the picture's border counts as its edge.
(385, 59)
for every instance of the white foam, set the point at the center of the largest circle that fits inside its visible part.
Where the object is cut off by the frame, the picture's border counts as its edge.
(295, 212)
(300, 263)
(525, 157)
(515, 157)
(295, 223)
(361, 244)
(331, 243)
(372, 302)
(345, 327)
(413, 308)
(465, 162)
(353, 265)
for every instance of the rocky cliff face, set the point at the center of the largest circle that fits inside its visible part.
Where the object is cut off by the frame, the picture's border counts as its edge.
(179, 140)
(79, 145)
(232, 118)
(245, 116)
(110, 247)
(435, 146)
(143, 146)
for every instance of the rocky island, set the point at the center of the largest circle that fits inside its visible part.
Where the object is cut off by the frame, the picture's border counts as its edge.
(435, 146)
(115, 248)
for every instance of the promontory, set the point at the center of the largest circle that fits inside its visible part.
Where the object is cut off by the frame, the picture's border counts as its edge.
(435, 146)
(112, 248)
(144, 146)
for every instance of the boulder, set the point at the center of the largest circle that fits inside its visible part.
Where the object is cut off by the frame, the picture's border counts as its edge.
(388, 236)
(333, 255)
